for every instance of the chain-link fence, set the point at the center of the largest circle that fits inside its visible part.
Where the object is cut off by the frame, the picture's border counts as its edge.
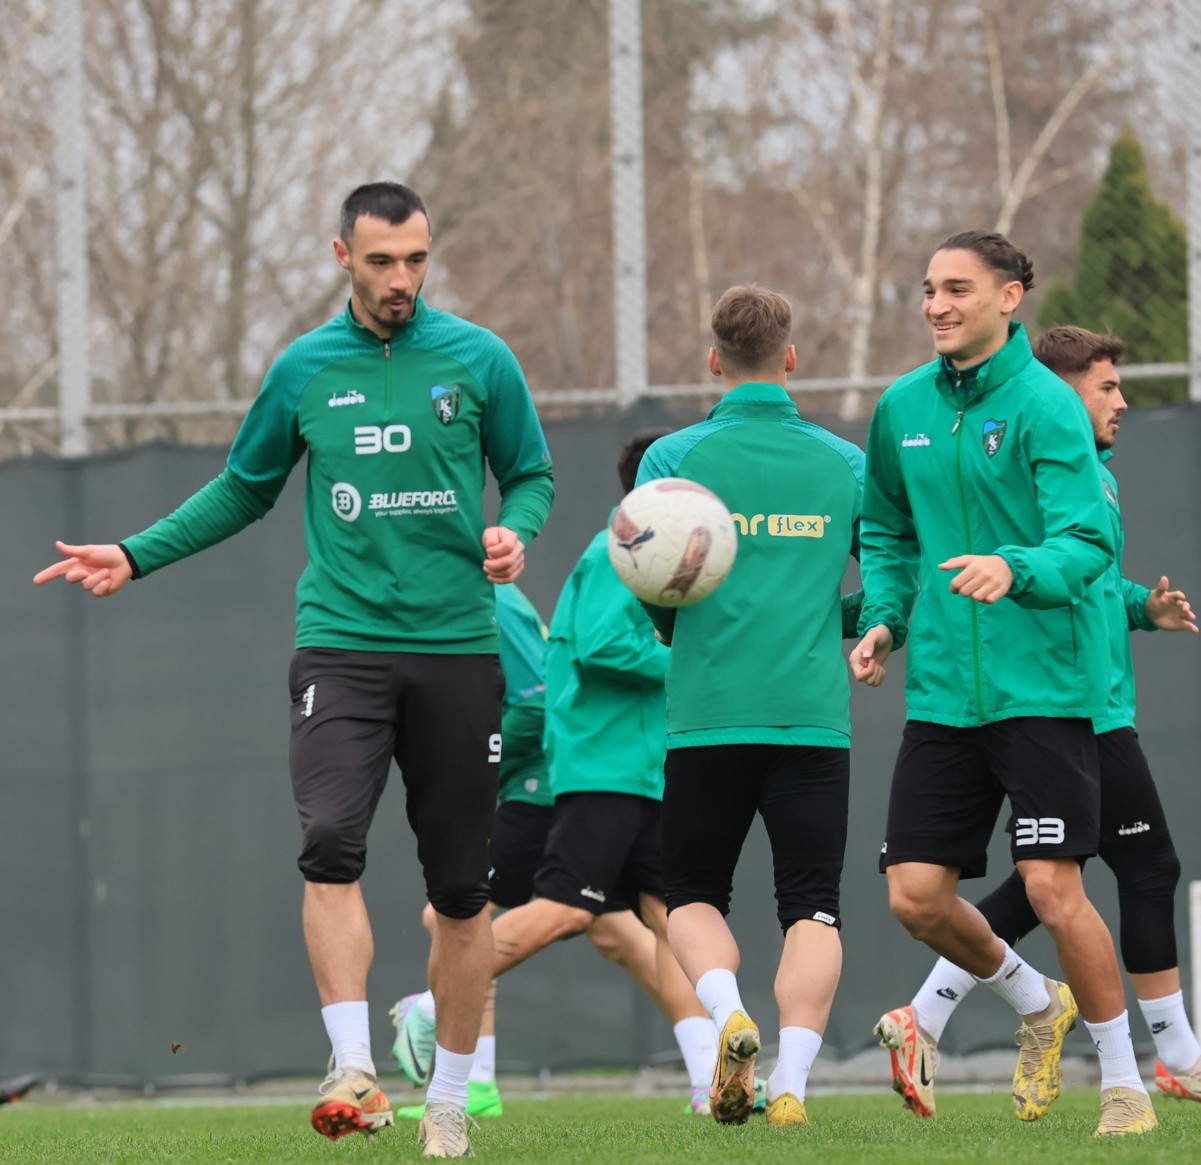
(635, 158)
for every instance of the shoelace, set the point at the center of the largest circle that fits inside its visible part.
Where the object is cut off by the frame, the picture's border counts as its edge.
(1122, 1110)
(450, 1123)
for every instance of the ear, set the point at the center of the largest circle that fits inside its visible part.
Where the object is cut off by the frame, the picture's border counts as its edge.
(790, 359)
(714, 362)
(1011, 296)
(341, 253)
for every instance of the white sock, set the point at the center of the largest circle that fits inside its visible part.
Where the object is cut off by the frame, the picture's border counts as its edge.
(349, 1032)
(483, 1066)
(1175, 1043)
(718, 992)
(697, 1038)
(798, 1049)
(1119, 1069)
(1019, 984)
(452, 1070)
(939, 995)
(425, 1004)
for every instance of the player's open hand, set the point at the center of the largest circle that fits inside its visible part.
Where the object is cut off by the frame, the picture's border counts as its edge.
(868, 655)
(1169, 610)
(983, 577)
(505, 554)
(103, 570)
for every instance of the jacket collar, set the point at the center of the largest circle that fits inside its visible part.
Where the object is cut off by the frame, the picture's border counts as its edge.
(996, 370)
(755, 399)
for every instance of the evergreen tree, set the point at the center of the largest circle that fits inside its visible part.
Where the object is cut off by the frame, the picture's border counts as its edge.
(1131, 273)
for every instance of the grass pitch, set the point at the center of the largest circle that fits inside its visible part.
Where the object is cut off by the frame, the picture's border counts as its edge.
(605, 1130)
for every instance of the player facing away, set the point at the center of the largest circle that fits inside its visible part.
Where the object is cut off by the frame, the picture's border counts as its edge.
(525, 809)
(758, 700)
(604, 739)
(399, 407)
(1135, 841)
(983, 487)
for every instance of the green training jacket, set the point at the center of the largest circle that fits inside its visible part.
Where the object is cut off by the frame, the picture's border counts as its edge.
(523, 773)
(397, 435)
(759, 661)
(999, 459)
(1125, 611)
(606, 727)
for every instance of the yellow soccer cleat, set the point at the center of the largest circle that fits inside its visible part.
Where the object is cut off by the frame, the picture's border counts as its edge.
(786, 1109)
(1182, 1085)
(914, 1058)
(733, 1093)
(1038, 1074)
(350, 1101)
(1125, 1111)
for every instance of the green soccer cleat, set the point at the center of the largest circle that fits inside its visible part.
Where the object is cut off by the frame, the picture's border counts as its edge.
(483, 1100)
(760, 1105)
(415, 1040)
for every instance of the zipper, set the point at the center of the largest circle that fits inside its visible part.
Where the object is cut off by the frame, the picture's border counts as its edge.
(967, 530)
(387, 378)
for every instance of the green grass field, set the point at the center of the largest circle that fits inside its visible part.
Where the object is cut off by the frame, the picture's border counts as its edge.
(872, 1128)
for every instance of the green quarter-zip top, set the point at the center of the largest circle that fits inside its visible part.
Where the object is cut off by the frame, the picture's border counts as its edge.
(523, 772)
(1001, 461)
(759, 661)
(398, 433)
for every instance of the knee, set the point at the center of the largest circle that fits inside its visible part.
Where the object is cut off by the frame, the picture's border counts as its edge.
(568, 921)
(428, 918)
(1055, 894)
(458, 900)
(921, 914)
(1151, 876)
(331, 853)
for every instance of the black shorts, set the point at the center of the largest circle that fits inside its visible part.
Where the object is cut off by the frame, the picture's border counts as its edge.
(603, 852)
(1132, 816)
(438, 716)
(949, 783)
(710, 798)
(519, 836)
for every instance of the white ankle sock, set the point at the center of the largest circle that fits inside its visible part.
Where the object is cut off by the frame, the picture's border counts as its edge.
(697, 1038)
(349, 1031)
(718, 992)
(798, 1049)
(1119, 1069)
(425, 1004)
(939, 995)
(451, 1073)
(1175, 1043)
(483, 1066)
(1019, 984)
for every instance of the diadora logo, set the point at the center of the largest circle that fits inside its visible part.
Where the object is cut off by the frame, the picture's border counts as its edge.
(783, 525)
(348, 502)
(595, 895)
(389, 439)
(1038, 831)
(306, 700)
(1137, 827)
(919, 439)
(353, 397)
(446, 399)
(822, 916)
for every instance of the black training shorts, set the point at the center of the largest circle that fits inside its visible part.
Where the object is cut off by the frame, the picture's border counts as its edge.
(519, 836)
(710, 798)
(949, 783)
(438, 717)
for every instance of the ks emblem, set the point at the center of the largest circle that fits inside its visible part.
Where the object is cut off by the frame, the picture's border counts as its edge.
(993, 434)
(446, 400)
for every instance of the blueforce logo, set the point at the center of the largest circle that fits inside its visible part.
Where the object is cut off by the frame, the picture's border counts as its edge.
(993, 434)
(348, 502)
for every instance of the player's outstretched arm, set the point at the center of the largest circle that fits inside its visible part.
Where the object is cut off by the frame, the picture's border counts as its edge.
(505, 554)
(1169, 610)
(103, 570)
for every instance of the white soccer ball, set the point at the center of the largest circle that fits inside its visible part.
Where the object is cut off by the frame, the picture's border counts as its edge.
(672, 542)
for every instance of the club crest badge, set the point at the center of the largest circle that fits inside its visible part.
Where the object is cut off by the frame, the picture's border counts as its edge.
(993, 434)
(446, 400)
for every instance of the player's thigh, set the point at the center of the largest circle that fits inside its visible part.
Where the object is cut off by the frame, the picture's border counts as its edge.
(1130, 804)
(710, 795)
(944, 800)
(1049, 769)
(448, 750)
(641, 877)
(519, 834)
(343, 731)
(590, 839)
(804, 805)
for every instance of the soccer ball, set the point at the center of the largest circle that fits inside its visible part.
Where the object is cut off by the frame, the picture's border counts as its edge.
(672, 542)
